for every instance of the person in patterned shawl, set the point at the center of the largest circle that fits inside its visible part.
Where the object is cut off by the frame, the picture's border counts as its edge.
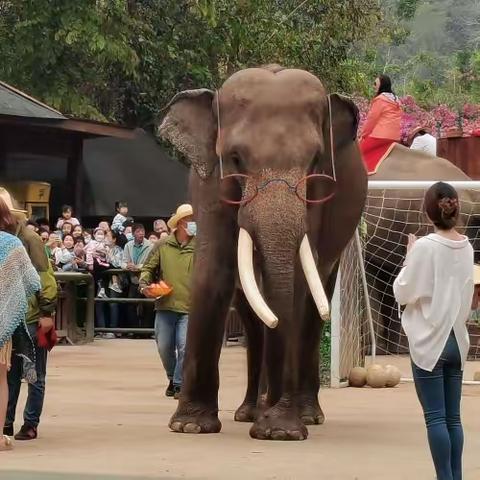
(18, 282)
(40, 323)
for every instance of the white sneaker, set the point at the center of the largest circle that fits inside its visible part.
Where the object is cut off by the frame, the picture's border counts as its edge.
(115, 287)
(102, 294)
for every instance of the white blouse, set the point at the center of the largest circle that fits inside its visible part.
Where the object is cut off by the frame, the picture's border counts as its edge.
(436, 285)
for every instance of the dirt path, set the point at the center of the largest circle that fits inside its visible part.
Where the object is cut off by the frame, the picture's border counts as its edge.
(106, 415)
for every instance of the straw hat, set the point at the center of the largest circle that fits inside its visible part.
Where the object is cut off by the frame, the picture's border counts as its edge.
(476, 274)
(183, 211)
(7, 198)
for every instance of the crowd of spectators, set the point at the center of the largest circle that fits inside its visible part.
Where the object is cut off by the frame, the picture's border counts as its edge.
(121, 244)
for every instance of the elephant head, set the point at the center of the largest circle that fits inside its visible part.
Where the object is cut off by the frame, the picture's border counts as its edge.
(270, 139)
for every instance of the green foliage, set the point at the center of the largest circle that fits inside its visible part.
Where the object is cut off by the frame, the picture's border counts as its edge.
(122, 60)
(70, 54)
(431, 50)
(325, 355)
(406, 9)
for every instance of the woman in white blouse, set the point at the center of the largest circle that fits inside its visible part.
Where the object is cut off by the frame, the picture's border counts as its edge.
(436, 285)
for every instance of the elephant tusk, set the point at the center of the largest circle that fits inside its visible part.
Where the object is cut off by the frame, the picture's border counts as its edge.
(313, 279)
(248, 281)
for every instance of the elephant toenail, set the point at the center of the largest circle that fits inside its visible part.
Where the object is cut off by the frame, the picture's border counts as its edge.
(192, 428)
(279, 435)
(176, 427)
(296, 435)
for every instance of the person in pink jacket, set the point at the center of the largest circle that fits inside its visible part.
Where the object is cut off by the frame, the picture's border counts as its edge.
(382, 128)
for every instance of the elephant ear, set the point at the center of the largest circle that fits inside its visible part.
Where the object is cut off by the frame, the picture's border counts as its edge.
(191, 126)
(345, 119)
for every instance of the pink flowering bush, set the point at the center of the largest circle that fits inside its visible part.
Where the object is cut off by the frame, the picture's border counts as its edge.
(440, 119)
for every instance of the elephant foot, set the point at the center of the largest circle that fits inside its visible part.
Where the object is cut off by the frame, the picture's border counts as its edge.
(310, 411)
(279, 424)
(194, 418)
(246, 412)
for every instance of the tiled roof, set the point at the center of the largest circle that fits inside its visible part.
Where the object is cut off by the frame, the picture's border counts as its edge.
(13, 102)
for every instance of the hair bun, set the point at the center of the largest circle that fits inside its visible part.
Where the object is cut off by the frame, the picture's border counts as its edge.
(448, 206)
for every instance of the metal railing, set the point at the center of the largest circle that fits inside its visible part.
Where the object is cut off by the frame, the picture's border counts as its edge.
(67, 326)
(70, 301)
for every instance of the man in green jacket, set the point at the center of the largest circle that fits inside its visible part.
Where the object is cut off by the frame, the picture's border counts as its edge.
(40, 313)
(172, 262)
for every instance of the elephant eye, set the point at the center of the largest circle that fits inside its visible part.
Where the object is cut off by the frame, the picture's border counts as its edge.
(236, 161)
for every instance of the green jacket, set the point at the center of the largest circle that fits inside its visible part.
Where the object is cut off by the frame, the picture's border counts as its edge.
(42, 304)
(173, 264)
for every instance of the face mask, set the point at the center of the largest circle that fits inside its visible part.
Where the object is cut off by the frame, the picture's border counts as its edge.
(191, 229)
(99, 237)
(129, 236)
(87, 239)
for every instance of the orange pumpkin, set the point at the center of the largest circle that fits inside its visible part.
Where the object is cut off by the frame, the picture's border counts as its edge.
(160, 289)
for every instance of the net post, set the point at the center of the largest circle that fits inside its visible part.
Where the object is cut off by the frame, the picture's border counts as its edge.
(358, 244)
(335, 329)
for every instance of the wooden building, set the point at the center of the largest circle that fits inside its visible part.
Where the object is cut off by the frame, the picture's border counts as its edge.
(464, 152)
(88, 164)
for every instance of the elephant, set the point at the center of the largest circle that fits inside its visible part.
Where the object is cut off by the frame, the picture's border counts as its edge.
(393, 214)
(278, 186)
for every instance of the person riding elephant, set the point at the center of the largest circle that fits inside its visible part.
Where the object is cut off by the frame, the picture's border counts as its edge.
(277, 181)
(382, 127)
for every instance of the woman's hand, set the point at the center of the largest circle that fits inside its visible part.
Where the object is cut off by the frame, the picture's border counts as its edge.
(411, 241)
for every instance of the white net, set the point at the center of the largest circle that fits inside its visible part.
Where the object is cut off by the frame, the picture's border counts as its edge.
(349, 320)
(390, 215)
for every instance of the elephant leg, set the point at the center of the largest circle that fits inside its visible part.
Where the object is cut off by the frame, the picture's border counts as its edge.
(212, 291)
(310, 411)
(247, 412)
(309, 371)
(281, 419)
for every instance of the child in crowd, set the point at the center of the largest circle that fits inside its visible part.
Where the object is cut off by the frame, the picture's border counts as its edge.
(67, 216)
(52, 246)
(105, 226)
(77, 232)
(127, 225)
(80, 256)
(67, 229)
(87, 236)
(32, 225)
(121, 216)
(153, 237)
(44, 235)
(64, 257)
(44, 224)
(96, 257)
(115, 243)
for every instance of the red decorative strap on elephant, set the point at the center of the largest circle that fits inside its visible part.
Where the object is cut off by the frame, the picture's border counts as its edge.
(239, 189)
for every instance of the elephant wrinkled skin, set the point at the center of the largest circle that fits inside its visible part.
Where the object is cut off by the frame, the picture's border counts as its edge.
(275, 129)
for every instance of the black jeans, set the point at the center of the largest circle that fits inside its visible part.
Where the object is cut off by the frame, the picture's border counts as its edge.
(36, 391)
(440, 394)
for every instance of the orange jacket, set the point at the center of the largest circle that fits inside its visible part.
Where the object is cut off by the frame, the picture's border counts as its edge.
(384, 119)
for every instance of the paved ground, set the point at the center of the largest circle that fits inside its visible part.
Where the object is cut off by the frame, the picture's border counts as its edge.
(106, 418)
